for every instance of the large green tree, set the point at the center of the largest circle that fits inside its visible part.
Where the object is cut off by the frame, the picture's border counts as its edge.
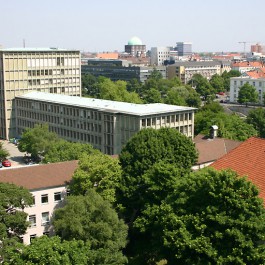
(91, 219)
(65, 151)
(38, 140)
(211, 217)
(217, 82)
(97, 171)
(247, 94)
(227, 75)
(13, 220)
(256, 117)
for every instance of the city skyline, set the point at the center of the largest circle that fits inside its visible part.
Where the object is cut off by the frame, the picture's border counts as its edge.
(103, 25)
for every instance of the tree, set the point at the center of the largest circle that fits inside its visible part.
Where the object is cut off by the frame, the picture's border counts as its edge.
(210, 218)
(152, 96)
(66, 151)
(91, 219)
(202, 85)
(227, 75)
(256, 117)
(13, 220)
(89, 85)
(3, 152)
(247, 93)
(38, 140)
(217, 82)
(173, 97)
(97, 171)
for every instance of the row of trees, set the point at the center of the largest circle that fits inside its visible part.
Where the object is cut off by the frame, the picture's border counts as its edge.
(173, 215)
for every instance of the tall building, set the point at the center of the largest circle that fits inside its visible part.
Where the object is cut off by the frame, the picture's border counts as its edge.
(105, 124)
(135, 47)
(257, 48)
(184, 48)
(22, 70)
(159, 55)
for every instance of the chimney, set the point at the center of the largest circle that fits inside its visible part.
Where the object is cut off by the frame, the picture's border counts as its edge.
(213, 131)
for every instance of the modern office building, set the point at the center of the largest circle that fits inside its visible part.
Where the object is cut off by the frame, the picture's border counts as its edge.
(118, 70)
(48, 186)
(135, 47)
(105, 124)
(159, 55)
(184, 48)
(185, 70)
(22, 70)
(237, 82)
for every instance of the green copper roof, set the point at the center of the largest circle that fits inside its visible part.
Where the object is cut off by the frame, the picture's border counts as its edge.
(135, 41)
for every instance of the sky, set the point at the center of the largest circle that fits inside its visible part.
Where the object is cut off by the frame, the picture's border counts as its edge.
(107, 25)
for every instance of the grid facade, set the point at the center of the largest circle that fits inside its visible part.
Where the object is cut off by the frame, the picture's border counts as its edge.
(104, 129)
(23, 70)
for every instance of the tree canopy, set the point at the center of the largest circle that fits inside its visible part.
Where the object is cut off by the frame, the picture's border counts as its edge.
(3, 152)
(91, 219)
(38, 140)
(247, 94)
(13, 220)
(211, 217)
(256, 117)
(97, 171)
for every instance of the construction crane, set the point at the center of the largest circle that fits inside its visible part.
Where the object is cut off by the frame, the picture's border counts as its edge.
(245, 42)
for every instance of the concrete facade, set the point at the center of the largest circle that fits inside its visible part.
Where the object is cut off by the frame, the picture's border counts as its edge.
(22, 70)
(237, 82)
(159, 55)
(106, 125)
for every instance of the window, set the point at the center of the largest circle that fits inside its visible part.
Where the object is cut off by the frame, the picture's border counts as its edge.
(44, 198)
(57, 196)
(32, 220)
(45, 218)
(32, 237)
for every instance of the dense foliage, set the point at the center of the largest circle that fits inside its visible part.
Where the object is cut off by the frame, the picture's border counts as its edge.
(3, 152)
(97, 171)
(247, 94)
(256, 117)
(13, 220)
(211, 217)
(91, 219)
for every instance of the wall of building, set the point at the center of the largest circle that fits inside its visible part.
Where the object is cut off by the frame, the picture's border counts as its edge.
(41, 212)
(159, 55)
(21, 71)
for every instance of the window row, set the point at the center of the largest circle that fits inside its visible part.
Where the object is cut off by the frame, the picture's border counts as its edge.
(57, 196)
(45, 219)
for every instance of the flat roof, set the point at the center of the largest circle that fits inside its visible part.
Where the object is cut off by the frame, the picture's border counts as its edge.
(51, 49)
(105, 105)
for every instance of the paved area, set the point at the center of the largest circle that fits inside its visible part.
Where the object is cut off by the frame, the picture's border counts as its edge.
(16, 157)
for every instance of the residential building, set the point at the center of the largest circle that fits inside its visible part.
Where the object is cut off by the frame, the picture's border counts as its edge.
(237, 82)
(135, 47)
(185, 70)
(159, 55)
(22, 70)
(257, 48)
(48, 186)
(212, 148)
(247, 160)
(105, 124)
(184, 48)
(246, 66)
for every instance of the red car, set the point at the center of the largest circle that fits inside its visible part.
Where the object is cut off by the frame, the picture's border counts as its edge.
(6, 163)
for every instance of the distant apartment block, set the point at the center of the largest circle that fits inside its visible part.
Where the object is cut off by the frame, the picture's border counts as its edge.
(106, 125)
(185, 70)
(22, 70)
(237, 82)
(119, 70)
(48, 186)
(159, 55)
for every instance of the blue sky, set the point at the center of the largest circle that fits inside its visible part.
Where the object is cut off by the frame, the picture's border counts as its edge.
(107, 25)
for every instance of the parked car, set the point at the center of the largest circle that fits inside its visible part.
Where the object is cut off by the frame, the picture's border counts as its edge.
(6, 163)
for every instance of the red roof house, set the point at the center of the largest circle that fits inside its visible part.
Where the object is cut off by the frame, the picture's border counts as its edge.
(248, 159)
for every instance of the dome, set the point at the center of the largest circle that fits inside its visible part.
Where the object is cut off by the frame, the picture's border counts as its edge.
(135, 41)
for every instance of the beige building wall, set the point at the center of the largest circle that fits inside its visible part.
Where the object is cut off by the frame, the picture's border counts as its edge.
(41, 212)
(105, 130)
(23, 70)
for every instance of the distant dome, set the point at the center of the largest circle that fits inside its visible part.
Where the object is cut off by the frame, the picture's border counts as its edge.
(135, 41)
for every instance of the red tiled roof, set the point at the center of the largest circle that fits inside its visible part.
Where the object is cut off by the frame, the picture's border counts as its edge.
(247, 64)
(248, 159)
(40, 176)
(258, 73)
(212, 149)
